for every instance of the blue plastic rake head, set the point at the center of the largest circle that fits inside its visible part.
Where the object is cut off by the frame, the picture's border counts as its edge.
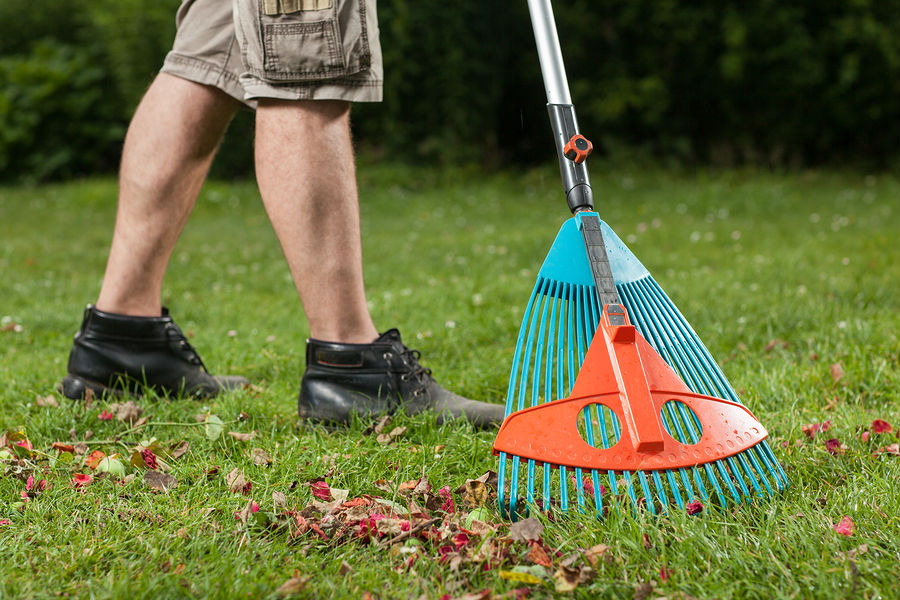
(560, 320)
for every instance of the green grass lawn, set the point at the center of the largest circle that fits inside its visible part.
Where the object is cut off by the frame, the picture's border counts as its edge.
(783, 276)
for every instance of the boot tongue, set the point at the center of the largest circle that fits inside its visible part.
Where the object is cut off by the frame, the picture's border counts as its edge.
(390, 336)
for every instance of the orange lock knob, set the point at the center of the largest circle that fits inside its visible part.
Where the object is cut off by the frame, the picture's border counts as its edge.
(578, 148)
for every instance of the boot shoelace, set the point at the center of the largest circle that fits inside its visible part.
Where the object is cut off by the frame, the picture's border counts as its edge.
(420, 374)
(178, 342)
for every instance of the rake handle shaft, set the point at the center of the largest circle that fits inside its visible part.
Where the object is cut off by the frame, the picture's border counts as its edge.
(576, 183)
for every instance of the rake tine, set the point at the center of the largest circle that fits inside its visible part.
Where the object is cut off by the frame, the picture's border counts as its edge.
(673, 485)
(579, 489)
(750, 474)
(604, 439)
(663, 500)
(629, 488)
(646, 489)
(598, 497)
(736, 473)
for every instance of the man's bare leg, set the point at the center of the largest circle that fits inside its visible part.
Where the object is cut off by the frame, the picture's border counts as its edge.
(305, 169)
(307, 178)
(169, 147)
(126, 341)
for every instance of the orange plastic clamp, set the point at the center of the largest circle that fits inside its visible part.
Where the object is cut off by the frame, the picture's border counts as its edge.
(578, 148)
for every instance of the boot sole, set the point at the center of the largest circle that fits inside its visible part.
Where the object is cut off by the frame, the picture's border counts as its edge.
(76, 388)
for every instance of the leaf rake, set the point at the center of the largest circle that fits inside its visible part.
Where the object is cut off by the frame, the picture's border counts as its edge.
(610, 385)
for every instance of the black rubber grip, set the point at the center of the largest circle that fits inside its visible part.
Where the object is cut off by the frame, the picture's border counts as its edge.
(599, 260)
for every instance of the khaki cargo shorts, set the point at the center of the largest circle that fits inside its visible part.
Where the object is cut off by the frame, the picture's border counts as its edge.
(285, 49)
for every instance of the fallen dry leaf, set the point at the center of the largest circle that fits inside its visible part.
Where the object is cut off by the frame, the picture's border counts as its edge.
(837, 372)
(94, 459)
(127, 412)
(180, 450)
(345, 568)
(521, 577)
(538, 556)
(320, 490)
(388, 438)
(242, 437)
(292, 586)
(893, 449)
(237, 483)
(844, 527)
(244, 514)
(566, 579)
(593, 554)
(881, 426)
(49, 400)
(775, 343)
(157, 480)
(643, 591)
(835, 446)
(378, 426)
(260, 457)
(60, 447)
(645, 540)
(81, 480)
(526, 530)
(279, 500)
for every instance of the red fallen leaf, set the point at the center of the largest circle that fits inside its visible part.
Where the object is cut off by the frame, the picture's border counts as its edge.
(105, 416)
(23, 444)
(318, 531)
(834, 446)
(837, 371)
(811, 429)
(864, 437)
(320, 490)
(356, 502)
(254, 507)
(538, 556)
(60, 447)
(445, 552)
(881, 426)
(29, 483)
(81, 480)
(94, 459)
(664, 574)
(24, 495)
(149, 458)
(694, 507)
(447, 505)
(893, 449)
(844, 527)
(4, 522)
(460, 540)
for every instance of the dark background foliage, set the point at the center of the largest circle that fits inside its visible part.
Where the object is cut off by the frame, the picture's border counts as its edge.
(779, 83)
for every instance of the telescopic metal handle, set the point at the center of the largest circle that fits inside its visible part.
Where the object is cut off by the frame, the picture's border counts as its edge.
(574, 173)
(549, 53)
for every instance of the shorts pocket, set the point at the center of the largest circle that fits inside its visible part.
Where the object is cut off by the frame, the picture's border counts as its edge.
(312, 45)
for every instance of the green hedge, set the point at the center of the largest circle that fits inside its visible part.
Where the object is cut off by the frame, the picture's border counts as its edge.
(779, 83)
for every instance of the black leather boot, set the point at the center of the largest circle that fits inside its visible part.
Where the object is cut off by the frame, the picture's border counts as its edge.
(378, 378)
(115, 353)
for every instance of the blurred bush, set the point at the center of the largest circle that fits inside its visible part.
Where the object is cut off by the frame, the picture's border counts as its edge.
(785, 83)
